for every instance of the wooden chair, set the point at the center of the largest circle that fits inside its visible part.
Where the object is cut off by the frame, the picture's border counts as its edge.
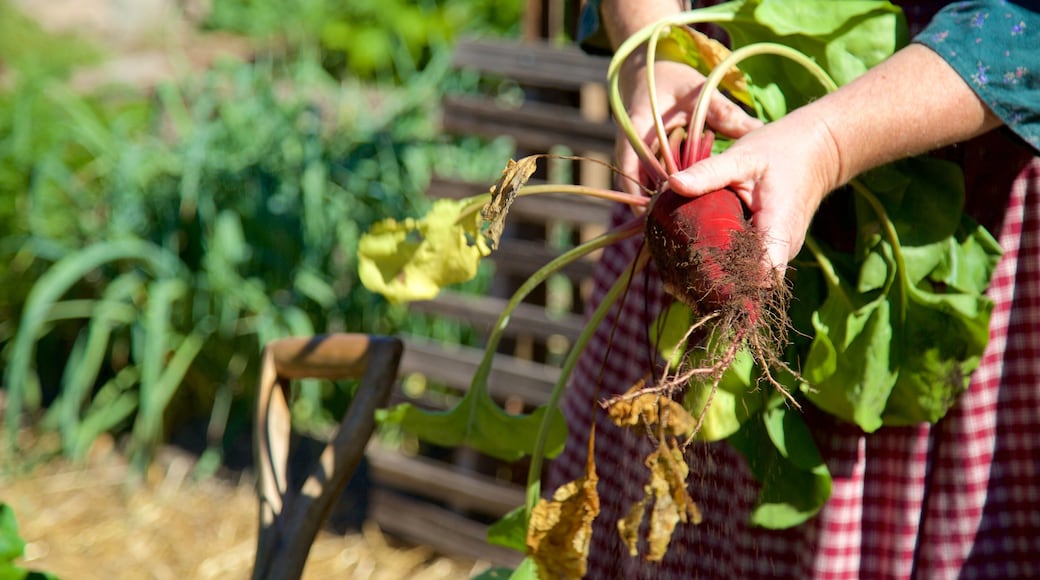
(289, 521)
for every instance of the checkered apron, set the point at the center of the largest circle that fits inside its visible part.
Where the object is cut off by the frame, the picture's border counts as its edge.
(959, 499)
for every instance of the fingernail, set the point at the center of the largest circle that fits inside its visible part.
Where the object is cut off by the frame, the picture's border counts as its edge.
(677, 182)
(680, 182)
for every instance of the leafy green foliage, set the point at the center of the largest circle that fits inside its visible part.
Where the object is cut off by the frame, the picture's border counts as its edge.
(845, 38)
(12, 547)
(370, 39)
(897, 346)
(783, 457)
(155, 243)
(898, 316)
(889, 322)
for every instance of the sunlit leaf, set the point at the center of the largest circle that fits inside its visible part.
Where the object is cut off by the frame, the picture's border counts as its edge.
(503, 193)
(669, 503)
(638, 408)
(560, 530)
(478, 422)
(415, 258)
(690, 46)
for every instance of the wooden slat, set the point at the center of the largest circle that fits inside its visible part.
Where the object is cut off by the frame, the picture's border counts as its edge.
(483, 311)
(574, 209)
(534, 63)
(535, 126)
(455, 366)
(524, 257)
(425, 524)
(464, 491)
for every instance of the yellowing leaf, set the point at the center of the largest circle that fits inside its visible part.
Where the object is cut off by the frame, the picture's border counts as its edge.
(560, 530)
(628, 526)
(503, 192)
(671, 503)
(684, 44)
(652, 409)
(415, 258)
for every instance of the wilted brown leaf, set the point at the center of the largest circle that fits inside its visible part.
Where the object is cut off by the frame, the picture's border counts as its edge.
(671, 503)
(560, 530)
(628, 526)
(503, 192)
(647, 407)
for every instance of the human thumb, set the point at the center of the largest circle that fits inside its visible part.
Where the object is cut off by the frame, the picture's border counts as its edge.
(709, 175)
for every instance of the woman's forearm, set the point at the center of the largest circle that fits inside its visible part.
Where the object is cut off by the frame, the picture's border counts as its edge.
(623, 18)
(912, 103)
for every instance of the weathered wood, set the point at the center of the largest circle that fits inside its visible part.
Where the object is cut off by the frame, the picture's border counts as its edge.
(454, 366)
(534, 126)
(289, 521)
(482, 312)
(568, 208)
(425, 524)
(522, 258)
(465, 491)
(533, 63)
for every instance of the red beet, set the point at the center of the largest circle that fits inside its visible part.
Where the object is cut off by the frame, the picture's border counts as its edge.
(695, 245)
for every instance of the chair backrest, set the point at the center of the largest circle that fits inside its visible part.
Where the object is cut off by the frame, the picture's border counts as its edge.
(289, 521)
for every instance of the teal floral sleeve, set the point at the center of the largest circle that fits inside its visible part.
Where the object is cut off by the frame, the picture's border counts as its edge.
(995, 47)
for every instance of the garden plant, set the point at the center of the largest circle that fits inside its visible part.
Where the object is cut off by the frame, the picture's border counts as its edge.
(888, 317)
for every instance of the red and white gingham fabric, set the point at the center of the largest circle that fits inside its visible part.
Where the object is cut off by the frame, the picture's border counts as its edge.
(960, 499)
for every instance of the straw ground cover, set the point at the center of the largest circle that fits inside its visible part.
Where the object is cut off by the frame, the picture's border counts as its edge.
(81, 521)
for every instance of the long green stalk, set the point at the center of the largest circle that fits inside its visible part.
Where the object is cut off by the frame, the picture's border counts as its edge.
(622, 54)
(46, 292)
(714, 79)
(534, 473)
(595, 192)
(893, 238)
(483, 371)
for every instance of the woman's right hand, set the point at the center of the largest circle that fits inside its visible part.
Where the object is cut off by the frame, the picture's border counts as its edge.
(678, 87)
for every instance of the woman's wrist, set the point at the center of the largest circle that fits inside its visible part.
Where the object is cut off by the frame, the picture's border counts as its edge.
(623, 18)
(910, 104)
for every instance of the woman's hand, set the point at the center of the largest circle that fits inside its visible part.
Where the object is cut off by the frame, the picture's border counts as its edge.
(678, 86)
(912, 103)
(781, 171)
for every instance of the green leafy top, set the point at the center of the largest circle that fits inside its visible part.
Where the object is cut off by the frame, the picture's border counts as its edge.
(888, 324)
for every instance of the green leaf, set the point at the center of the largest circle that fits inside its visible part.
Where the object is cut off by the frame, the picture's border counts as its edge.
(527, 570)
(734, 402)
(946, 336)
(970, 259)
(848, 366)
(478, 422)
(795, 482)
(924, 199)
(12, 546)
(510, 531)
(416, 258)
(845, 38)
(668, 331)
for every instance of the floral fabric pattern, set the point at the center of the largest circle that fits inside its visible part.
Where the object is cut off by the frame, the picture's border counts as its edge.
(995, 47)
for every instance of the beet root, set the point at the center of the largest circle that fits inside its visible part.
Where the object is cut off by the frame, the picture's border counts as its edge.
(708, 255)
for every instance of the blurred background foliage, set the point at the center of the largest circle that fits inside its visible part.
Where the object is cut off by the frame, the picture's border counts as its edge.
(369, 39)
(152, 240)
